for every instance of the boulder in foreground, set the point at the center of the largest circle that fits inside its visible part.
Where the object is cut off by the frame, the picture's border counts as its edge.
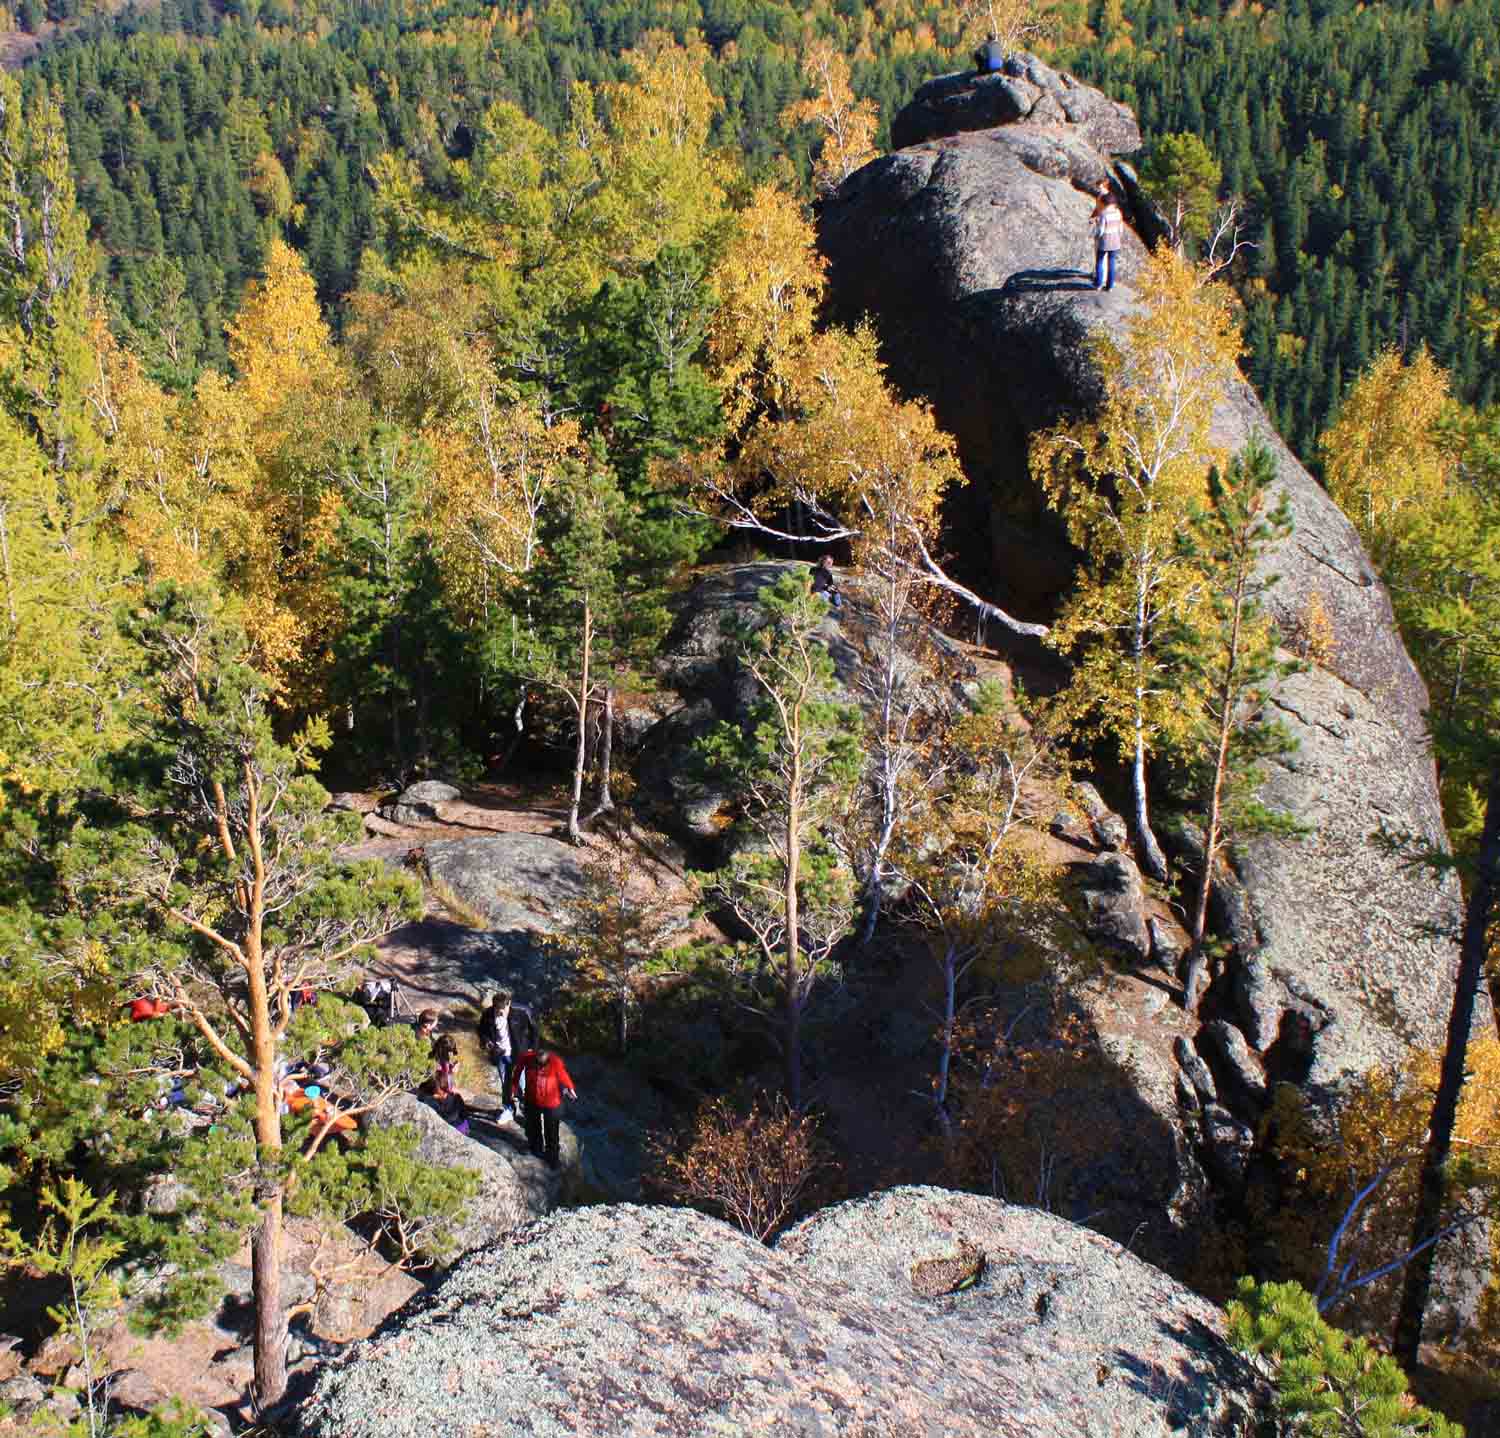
(629, 1320)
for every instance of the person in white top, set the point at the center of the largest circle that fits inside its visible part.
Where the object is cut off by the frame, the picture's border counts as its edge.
(1108, 225)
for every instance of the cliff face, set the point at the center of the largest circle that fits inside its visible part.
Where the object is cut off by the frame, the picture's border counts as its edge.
(970, 251)
(626, 1320)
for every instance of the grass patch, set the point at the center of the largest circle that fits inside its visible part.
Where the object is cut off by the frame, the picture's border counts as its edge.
(476, 1074)
(457, 909)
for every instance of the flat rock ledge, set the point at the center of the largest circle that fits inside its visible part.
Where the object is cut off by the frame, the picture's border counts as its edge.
(627, 1320)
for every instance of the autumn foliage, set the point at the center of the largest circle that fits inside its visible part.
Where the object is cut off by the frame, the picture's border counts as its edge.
(757, 1168)
(1378, 1133)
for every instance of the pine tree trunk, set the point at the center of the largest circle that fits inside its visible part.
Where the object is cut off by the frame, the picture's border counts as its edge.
(793, 946)
(265, 1287)
(1432, 1194)
(575, 833)
(265, 1247)
(606, 804)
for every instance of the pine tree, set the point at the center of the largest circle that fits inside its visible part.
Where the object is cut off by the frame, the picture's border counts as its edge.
(217, 883)
(1225, 650)
(793, 766)
(398, 654)
(1326, 1382)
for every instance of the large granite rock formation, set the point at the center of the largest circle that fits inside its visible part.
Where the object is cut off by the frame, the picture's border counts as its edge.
(629, 1320)
(970, 249)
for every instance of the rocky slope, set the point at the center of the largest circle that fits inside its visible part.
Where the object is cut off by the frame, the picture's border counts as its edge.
(627, 1320)
(970, 250)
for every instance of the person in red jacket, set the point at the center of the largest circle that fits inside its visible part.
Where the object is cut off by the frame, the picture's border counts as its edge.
(547, 1080)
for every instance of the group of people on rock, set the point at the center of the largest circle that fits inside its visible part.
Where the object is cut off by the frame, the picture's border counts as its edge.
(528, 1074)
(525, 1070)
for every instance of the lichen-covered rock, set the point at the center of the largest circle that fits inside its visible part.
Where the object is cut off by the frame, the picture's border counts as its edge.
(1025, 89)
(420, 803)
(642, 1321)
(1244, 1081)
(1115, 900)
(1200, 1078)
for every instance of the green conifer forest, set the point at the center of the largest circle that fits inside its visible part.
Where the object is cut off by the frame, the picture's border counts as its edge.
(449, 547)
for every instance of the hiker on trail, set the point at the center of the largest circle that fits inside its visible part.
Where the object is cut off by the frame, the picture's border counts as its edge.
(148, 1008)
(547, 1080)
(989, 58)
(1108, 226)
(823, 582)
(494, 1034)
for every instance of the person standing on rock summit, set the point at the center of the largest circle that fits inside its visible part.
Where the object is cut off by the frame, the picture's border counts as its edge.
(547, 1080)
(1108, 225)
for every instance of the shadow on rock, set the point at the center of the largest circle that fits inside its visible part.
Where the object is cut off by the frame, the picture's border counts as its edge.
(1201, 1365)
(1036, 281)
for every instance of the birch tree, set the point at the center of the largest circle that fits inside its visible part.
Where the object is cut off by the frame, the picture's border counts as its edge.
(1123, 478)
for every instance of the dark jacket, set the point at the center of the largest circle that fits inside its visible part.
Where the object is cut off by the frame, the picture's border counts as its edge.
(522, 1026)
(491, 1035)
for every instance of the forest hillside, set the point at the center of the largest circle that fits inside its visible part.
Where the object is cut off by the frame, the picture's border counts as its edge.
(576, 635)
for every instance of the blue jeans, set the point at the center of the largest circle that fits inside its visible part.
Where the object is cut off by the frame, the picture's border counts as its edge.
(1104, 269)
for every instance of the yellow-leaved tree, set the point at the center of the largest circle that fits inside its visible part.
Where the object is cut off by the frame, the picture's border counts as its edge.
(426, 359)
(770, 283)
(1385, 457)
(1123, 479)
(526, 221)
(288, 399)
(846, 125)
(666, 185)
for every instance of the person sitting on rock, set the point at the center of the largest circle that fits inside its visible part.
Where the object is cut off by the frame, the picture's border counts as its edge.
(989, 58)
(547, 1079)
(824, 583)
(449, 1103)
(445, 1056)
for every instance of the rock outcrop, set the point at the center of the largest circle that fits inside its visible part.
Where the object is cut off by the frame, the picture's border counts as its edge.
(514, 1187)
(517, 881)
(661, 1321)
(970, 250)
